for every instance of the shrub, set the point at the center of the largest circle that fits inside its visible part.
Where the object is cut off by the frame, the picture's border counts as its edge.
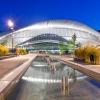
(89, 54)
(21, 51)
(3, 50)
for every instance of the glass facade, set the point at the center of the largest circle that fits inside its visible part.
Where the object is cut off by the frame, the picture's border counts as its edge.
(59, 29)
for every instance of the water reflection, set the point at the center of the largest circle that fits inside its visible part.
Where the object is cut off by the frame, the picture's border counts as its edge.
(41, 83)
(58, 73)
(41, 80)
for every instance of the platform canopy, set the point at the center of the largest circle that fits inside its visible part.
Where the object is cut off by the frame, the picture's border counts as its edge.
(52, 31)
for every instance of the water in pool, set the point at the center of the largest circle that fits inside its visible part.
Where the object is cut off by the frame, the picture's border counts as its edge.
(43, 81)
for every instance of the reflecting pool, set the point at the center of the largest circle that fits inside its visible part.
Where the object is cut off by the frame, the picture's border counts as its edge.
(49, 79)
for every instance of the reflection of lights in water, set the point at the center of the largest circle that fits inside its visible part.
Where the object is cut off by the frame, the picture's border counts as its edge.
(78, 78)
(82, 77)
(66, 68)
(31, 79)
(40, 65)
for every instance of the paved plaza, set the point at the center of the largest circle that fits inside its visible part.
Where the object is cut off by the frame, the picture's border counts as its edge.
(7, 65)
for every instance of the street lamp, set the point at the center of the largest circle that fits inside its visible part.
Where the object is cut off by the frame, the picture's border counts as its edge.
(10, 24)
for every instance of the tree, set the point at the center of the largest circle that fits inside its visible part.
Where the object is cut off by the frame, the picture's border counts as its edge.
(69, 46)
(74, 38)
(71, 43)
(61, 47)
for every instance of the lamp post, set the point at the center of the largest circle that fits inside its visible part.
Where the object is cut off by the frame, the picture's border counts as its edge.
(11, 26)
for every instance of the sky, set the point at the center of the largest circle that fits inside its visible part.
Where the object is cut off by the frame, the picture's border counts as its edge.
(27, 12)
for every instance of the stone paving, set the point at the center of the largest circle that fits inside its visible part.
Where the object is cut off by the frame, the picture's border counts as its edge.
(39, 83)
(7, 65)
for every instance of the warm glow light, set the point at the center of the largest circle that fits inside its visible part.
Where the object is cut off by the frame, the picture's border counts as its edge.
(31, 79)
(10, 24)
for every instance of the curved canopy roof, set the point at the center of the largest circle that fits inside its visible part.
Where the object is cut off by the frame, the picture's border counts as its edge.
(61, 28)
(59, 24)
(45, 38)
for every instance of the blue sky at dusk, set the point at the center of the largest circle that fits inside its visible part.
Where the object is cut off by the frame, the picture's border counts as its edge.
(27, 12)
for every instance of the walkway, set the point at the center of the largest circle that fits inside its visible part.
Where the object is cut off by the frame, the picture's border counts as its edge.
(7, 65)
(11, 70)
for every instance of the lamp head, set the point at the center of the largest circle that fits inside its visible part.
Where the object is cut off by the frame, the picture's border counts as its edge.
(10, 24)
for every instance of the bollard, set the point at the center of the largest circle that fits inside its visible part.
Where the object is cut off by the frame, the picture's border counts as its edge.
(65, 85)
